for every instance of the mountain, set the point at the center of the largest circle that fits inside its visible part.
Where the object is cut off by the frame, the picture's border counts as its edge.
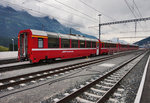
(12, 21)
(143, 42)
(116, 40)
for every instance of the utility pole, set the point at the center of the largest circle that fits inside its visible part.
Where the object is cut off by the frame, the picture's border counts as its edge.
(135, 28)
(70, 31)
(13, 44)
(99, 25)
(43, 27)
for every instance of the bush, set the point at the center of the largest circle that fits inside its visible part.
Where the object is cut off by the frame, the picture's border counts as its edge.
(2, 48)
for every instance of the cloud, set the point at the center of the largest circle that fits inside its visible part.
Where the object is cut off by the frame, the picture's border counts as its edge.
(74, 13)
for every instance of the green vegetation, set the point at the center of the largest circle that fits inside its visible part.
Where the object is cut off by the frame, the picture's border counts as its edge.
(2, 48)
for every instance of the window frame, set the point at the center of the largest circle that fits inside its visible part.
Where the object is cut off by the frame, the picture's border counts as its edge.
(94, 46)
(88, 46)
(62, 44)
(40, 39)
(82, 41)
(73, 46)
(56, 42)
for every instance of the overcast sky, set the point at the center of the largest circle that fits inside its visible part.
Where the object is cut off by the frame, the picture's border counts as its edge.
(83, 15)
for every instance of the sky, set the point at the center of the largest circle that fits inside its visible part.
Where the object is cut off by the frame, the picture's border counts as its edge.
(82, 15)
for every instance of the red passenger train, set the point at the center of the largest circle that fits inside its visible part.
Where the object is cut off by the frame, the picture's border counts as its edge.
(36, 45)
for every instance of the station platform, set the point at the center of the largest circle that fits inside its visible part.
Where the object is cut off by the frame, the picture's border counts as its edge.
(145, 98)
(8, 55)
(145, 93)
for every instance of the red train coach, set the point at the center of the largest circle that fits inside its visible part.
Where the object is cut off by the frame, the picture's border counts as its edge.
(36, 45)
(109, 47)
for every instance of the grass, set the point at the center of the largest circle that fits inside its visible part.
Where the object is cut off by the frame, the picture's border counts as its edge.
(2, 48)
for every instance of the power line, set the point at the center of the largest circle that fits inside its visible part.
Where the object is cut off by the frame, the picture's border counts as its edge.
(130, 8)
(62, 10)
(24, 8)
(135, 37)
(134, 31)
(137, 9)
(126, 21)
(96, 10)
(74, 9)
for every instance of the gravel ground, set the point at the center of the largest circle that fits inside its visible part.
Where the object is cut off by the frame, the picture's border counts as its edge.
(38, 68)
(46, 89)
(13, 64)
(42, 67)
(131, 82)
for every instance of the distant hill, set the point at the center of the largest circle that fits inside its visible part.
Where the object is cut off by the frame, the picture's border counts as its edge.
(143, 42)
(12, 21)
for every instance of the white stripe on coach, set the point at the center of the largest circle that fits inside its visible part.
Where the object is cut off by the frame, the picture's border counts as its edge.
(63, 49)
(140, 90)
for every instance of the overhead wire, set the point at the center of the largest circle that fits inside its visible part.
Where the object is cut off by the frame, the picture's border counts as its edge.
(75, 9)
(39, 12)
(97, 10)
(130, 8)
(132, 11)
(109, 17)
(63, 10)
(137, 9)
(139, 13)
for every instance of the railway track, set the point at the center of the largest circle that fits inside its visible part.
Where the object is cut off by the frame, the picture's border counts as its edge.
(26, 66)
(8, 61)
(99, 88)
(21, 80)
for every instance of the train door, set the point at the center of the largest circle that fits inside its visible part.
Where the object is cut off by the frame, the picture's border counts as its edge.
(97, 49)
(23, 45)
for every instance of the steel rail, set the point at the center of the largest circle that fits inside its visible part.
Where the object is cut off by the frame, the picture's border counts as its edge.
(8, 61)
(86, 87)
(48, 72)
(26, 66)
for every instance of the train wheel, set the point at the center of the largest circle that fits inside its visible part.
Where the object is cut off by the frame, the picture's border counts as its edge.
(31, 62)
(50, 60)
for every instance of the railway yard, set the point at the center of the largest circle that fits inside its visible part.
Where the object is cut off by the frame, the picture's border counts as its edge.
(74, 51)
(102, 79)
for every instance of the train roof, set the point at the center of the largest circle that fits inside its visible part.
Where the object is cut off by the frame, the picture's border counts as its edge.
(109, 41)
(65, 36)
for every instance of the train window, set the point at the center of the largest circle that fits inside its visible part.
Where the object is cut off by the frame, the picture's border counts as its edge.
(53, 42)
(93, 44)
(74, 44)
(110, 45)
(82, 44)
(113, 45)
(40, 43)
(65, 43)
(105, 45)
(88, 44)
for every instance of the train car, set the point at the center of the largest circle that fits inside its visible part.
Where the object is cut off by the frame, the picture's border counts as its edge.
(126, 47)
(36, 45)
(109, 47)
